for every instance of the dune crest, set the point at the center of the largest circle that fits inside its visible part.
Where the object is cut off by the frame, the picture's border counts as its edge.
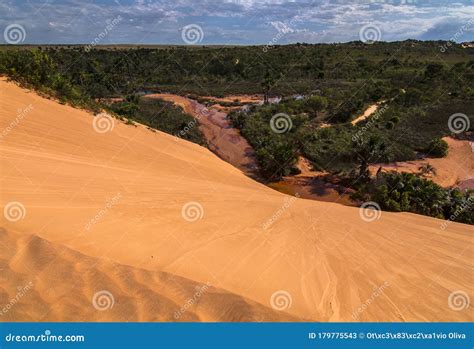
(97, 205)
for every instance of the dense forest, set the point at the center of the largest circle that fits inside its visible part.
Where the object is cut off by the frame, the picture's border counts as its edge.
(289, 69)
(323, 87)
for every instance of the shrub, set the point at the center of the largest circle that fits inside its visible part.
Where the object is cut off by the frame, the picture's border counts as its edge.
(438, 148)
(316, 103)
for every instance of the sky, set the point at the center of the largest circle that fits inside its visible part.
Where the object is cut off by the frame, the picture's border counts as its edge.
(239, 22)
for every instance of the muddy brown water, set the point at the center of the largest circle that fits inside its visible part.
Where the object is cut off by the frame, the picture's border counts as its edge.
(222, 139)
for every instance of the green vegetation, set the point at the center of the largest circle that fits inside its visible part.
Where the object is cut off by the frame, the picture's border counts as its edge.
(276, 153)
(339, 70)
(407, 192)
(36, 69)
(408, 123)
(437, 148)
(161, 115)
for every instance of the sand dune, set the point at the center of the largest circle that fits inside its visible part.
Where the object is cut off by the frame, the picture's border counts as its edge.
(148, 217)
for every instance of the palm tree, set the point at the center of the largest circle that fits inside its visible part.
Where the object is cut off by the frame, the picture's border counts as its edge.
(427, 169)
(367, 152)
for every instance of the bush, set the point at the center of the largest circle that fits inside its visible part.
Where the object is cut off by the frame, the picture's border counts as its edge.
(438, 148)
(316, 103)
(160, 115)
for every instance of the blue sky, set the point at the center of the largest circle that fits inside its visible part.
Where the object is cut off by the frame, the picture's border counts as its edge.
(236, 21)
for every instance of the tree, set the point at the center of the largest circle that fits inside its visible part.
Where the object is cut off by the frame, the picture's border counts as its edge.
(367, 152)
(316, 103)
(408, 192)
(267, 83)
(427, 169)
(434, 70)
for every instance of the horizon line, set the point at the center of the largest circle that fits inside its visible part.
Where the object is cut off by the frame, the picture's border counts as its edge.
(230, 44)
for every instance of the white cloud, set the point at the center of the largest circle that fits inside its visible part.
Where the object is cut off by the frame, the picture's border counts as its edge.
(236, 21)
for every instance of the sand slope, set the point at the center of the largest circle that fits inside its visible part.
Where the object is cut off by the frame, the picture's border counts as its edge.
(58, 284)
(104, 211)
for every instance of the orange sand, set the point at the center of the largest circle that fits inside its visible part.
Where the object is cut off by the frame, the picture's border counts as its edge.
(368, 112)
(103, 211)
